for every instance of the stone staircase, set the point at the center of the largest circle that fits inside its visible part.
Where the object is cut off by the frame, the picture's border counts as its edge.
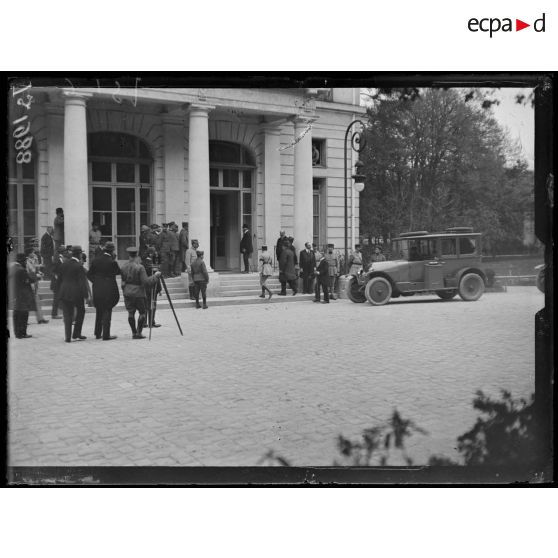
(245, 284)
(234, 288)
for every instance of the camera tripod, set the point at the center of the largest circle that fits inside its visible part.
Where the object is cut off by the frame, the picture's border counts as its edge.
(154, 303)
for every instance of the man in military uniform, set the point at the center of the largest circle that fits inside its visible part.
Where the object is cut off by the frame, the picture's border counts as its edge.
(134, 284)
(182, 247)
(153, 291)
(190, 258)
(333, 264)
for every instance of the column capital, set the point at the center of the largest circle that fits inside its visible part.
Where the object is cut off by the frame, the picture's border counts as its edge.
(271, 128)
(299, 120)
(199, 109)
(74, 97)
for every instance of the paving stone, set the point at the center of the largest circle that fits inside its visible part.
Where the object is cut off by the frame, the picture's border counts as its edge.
(244, 380)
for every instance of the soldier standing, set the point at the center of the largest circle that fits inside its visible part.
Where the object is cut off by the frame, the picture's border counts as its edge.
(189, 260)
(182, 247)
(153, 291)
(333, 264)
(134, 283)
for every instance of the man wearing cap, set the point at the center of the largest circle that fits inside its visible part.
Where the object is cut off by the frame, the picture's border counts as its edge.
(333, 266)
(287, 273)
(307, 265)
(355, 261)
(55, 282)
(175, 250)
(134, 283)
(152, 292)
(182, 247)
(201, 278)
(47, 251)
(279, 245)
(58, 234)
(190, 258)
(378, 256)
(144, 240)
(102, 274)
(322, 273)
(73, 292)
(246, 248)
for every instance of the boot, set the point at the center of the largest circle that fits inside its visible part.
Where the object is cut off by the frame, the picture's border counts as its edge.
(270, 293)
(263, 293)
(152, 318)
(132, 323)
(141, 322)
(191, 291)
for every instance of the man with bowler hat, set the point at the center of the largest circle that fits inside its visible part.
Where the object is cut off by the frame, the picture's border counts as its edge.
(73, 292)
(22, 295)
(134, 283)
(102, 274)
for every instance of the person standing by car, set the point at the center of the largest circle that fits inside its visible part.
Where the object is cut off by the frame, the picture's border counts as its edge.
(355, 261)
(378, 255)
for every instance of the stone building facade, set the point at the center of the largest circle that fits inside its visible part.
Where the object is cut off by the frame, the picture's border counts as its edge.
(272, 159)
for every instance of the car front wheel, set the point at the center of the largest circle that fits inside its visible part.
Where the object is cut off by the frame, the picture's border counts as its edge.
(471, 287)
(446, 295)
(378, 291)
(354, 292)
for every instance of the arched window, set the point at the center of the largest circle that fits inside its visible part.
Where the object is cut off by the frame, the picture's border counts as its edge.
(120, 175)
(22, 201)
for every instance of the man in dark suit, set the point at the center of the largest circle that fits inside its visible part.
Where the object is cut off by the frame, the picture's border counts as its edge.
(47, 251)
(73, 292)
(322, 271)
(246, 248)
(307, 265)
(102, 274)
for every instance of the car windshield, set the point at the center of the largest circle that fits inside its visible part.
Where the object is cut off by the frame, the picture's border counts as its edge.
(415, 249)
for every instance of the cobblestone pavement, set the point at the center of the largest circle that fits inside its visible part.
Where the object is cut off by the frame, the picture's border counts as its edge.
(248, 379)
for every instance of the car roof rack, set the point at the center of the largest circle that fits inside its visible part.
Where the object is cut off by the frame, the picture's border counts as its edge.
(459, 230)
(415, 233)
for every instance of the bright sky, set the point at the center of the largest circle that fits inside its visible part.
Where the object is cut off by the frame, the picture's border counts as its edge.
(518, 119)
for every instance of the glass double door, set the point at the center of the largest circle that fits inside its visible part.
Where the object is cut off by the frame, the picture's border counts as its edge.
(120, 211)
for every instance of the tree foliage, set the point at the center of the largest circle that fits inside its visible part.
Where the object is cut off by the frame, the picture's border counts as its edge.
(436, 160)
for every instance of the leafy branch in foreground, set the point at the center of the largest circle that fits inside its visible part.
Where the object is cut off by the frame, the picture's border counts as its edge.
(504, 435)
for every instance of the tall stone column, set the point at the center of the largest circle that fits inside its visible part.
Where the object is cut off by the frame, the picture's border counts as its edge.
(303, 201)
(272, 185)
(303, 214)
(76, 192)
(198, 178)
(173, 129)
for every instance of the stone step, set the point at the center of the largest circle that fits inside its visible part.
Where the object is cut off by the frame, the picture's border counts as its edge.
(163, 304)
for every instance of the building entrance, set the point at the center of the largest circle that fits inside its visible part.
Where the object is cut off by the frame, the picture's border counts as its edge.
(120, 211)
(224, 230)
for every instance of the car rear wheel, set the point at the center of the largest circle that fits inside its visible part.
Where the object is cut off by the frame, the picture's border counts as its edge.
(446, 295)
(354, 292)
(378, 291)
(471, 287)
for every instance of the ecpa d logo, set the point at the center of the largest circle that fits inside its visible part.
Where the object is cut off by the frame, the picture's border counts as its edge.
(492, 25)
